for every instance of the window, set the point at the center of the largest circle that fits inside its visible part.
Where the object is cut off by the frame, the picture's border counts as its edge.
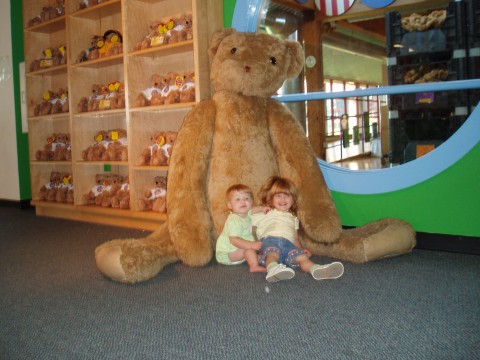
(361, 121)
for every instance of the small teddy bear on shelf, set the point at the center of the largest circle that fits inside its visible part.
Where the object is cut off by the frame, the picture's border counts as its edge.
(95, 151)
(90, 103)
(153, 94)
(60, 56)
(95, 97)
(64, 100)
(83, 4)
(187, 91)
(61, 148)
(171, 92)
(160, 150)
(104, 102)
(121, 200)
(112, 44)
(182, 30)
(161, 156)
(155, 37)
(96, 190)
(113, 187)
(46, 153)
(64, 192)
(46, 60)
(157, 139)
(117, 149)
(48, 12)
(91, 53)
(59, 102)
(155, 199)
(45, 107)
(57, 148)
(116, 97)
(96, 43)
(48, 191)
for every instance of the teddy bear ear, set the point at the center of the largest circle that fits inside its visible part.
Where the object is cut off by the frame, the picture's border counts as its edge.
(295, 51)
(217, 38)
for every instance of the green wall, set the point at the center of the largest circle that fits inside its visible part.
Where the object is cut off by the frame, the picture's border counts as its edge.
(22, 138)
(448, 203)
(228, 10)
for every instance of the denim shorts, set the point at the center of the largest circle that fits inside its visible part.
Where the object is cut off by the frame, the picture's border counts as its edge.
(286, 250)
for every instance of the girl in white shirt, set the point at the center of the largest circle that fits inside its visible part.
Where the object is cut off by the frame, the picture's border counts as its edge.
(277, 229)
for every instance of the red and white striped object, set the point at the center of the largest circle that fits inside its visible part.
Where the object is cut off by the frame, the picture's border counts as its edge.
(333, 7)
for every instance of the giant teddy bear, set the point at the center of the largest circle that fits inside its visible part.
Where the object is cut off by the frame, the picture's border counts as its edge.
(246, 137)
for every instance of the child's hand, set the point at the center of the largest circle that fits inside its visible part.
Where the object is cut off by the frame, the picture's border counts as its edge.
(260, 209)
(256, 245)
(307, 252)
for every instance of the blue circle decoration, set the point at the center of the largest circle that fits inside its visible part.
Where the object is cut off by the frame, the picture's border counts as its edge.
(377, 4)
(246, 18)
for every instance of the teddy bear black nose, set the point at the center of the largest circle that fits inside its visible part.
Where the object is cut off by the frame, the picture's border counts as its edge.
(247, 68)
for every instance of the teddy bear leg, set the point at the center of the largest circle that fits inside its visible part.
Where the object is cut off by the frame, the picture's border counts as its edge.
(373, 241)
(135, 260)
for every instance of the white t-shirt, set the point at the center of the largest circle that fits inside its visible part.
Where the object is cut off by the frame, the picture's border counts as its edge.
(276, 223)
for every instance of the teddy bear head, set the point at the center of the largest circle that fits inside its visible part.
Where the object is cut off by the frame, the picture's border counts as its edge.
(160, 182)
(157, 138)
(158, 81)
(62, 94)
(100, 136)
(96, 89)
(253, 64)
(101, 179)
(189, 76)
(55, 177)
(171, 78)
(62, 138)
(170, 137)
(115, 134)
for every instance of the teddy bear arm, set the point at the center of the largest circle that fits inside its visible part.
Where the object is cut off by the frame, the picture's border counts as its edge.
(317, 212)
(187, 196)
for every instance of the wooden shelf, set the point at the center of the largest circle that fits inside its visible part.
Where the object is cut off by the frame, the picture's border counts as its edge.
(59, 116)
(133, 69)
(60, 69)
(150, 168)
(163, 50)
(49, 26)
(101, 62)
(101, 10)
(158, 108)
(145, 220)
(49, 163)
(86, 163)
(100, 114)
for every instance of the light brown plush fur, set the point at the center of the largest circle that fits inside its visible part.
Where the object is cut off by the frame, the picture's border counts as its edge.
(246, 137)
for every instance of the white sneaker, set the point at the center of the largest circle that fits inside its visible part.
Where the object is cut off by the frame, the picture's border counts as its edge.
(329, 271)
(280, 272)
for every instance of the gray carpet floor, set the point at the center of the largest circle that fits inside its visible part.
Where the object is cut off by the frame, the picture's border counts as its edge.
(54, 304)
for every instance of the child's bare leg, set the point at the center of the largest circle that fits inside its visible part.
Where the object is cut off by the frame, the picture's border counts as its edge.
(236, 255)
(304, 262)
(252, 260)
(272, 257)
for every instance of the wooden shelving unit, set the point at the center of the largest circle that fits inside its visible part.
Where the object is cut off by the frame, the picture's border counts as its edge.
(133, 68)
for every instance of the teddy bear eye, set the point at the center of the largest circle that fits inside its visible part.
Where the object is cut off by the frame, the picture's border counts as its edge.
(273, 61)
(233, 51)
